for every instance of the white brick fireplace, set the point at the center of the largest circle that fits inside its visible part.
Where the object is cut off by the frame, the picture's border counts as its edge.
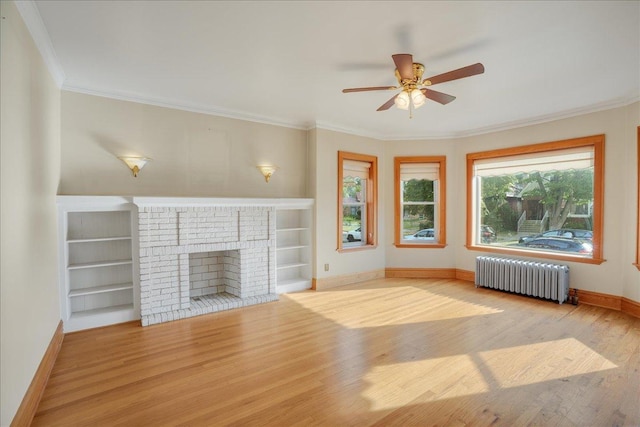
(199, 256)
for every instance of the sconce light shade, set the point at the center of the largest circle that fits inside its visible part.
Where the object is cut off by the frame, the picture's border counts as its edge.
(267, 171)
(135, 163)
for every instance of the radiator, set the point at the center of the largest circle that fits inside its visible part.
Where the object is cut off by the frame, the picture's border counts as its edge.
(550, 281)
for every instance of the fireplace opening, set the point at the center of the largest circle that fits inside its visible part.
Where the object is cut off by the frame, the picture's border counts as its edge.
(213, 273)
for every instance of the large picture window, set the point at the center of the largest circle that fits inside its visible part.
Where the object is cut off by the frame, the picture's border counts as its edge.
(420, 201)
(543, 199)
(357, 204)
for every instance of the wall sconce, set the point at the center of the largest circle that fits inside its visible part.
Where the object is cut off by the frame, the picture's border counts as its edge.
(134, 163)
(267, 171)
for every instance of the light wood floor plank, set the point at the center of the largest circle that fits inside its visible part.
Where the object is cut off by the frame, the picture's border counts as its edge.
(382, 353)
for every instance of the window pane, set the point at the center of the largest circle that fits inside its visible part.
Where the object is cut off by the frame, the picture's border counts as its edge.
(418, 190)
(352, 189)
(416, 218)
(516, 209)
(353, 207)
(352, 223)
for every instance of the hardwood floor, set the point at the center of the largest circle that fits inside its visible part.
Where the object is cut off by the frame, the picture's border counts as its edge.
(385, 352)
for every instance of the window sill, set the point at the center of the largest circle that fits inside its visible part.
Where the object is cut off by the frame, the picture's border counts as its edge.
(357, 248)
(420, 245)
(536, 254)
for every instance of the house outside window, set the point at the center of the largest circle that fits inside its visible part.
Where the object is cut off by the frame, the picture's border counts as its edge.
(357, 204)
(543, 199)
(420, 201)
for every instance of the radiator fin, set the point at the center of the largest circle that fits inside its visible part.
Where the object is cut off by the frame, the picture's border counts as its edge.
(543, 280)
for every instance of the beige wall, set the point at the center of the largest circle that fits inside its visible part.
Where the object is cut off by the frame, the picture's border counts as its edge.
(630, 274)
(196, 155)
(325, 146)
(30, 171)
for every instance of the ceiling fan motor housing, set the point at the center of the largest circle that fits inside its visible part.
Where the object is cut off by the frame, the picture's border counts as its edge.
(418, 71)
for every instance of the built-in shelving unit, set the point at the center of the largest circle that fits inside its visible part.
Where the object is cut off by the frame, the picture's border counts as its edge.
(99, 268)
(293, 246)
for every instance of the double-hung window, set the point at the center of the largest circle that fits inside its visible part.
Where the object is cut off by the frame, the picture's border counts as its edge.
(420, 201)
(357, 204)
(545, 199)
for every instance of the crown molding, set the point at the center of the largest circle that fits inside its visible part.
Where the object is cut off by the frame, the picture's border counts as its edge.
(194, 108)
(594, 108)
(350, 131)
(231, 114)
(32, 19)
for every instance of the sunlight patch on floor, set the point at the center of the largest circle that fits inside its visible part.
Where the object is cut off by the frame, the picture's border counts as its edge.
(392, 386)
(413, 306)
(520, 365)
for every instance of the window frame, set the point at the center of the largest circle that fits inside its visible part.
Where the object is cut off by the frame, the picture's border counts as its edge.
(371, 202)
(441, 230)
(596, 142)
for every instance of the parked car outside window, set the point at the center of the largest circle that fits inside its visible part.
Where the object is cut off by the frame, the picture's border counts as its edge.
(567, 233)
(424, 234)
(353, 235)
(560, 244)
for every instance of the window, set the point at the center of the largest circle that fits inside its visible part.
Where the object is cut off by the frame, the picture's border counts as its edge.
(420, 201)
(357, 200)
(544, 199)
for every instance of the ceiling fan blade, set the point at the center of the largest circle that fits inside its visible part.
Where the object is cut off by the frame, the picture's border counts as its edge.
(365, 89)
(440, 97)
(460, 73)
(387, 104)
(404, 64)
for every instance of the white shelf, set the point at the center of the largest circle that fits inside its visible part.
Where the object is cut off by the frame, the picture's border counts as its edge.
(99, 311)
(99, 264)
(99, 239)
(293, 247)
(287, 248)
(100, 289)
(294, 285)
(291, 265)
(293, 229)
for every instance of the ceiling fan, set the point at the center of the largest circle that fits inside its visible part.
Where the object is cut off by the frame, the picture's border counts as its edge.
(413, 93)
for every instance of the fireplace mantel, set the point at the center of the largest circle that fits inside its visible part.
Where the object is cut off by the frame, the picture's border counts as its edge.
(217, 201)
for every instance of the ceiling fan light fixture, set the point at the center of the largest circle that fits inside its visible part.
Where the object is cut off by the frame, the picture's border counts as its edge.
(418, 98)
(402, 100)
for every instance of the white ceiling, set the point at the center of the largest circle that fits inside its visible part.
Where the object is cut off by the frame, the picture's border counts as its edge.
(286, 62)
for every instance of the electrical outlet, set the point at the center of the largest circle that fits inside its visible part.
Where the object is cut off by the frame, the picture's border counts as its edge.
(326, 267)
